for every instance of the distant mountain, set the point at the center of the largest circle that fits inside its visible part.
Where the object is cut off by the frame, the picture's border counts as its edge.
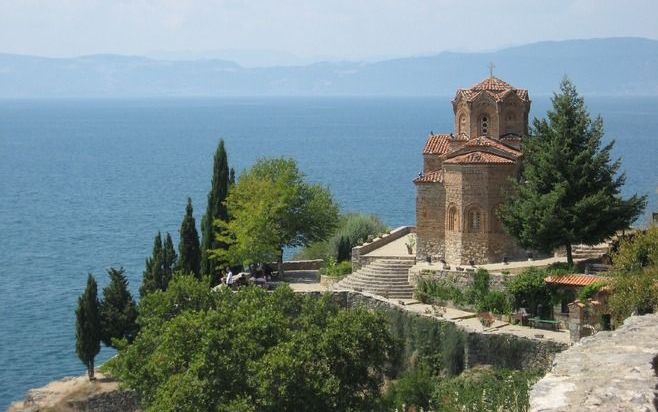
(615, 66)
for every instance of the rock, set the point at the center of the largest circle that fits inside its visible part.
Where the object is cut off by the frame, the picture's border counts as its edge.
(604, 372)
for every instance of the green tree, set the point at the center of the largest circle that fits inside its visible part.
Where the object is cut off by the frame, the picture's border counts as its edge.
(169, 259)
(253, 350)
(189, 251)
(88, 326)
(272, 207)
(215, 210)
(118, 311)
(634, 282)
(159, 266)
(569, 190)
(151, 278)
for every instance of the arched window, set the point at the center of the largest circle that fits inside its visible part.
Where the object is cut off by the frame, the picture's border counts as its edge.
(462, 124)
(453, 218)
(484, 125)
(474, 220)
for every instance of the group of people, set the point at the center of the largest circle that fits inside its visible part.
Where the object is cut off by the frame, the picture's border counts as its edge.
(261, 274)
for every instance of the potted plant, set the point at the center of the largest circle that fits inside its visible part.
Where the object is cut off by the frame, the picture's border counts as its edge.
(411, 243)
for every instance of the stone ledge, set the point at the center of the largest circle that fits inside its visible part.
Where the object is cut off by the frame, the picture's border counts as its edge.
(609, 371)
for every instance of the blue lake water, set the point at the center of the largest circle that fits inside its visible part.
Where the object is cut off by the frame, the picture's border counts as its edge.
(86, 184)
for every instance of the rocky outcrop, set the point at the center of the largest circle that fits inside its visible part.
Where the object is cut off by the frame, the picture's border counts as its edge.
(610, 371)
(75, 394)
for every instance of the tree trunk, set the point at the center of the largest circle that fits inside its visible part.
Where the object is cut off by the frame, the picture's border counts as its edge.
(280, 265)
(569, 255)
(90, 370)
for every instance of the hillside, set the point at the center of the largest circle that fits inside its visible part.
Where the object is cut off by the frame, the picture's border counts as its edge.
(615, 66)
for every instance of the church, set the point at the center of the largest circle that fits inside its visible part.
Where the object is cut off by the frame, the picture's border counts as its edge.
(466, 173)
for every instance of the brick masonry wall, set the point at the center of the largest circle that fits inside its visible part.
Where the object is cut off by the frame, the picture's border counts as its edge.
(430, 220)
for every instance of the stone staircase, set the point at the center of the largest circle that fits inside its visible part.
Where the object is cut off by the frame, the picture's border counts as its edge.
(387, 277)
(589, 252)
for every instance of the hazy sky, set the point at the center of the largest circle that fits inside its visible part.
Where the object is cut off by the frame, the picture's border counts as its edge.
(350, 29)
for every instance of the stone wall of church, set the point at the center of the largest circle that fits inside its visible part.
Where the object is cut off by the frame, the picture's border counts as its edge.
(430, 220)
(431, 163)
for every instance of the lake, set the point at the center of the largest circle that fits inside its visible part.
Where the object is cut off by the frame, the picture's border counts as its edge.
(86, 184)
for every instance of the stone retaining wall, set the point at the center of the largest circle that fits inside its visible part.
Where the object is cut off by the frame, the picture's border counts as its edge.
(497, 349)
(462, 280)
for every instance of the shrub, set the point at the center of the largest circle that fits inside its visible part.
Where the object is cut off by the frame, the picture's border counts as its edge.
(590, 290)
(485, 389)
(496, 302)
(528, 290)
(336, 269)
(413, 390)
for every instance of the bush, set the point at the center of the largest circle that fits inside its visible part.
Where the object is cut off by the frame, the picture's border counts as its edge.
(352, 230)
(528, 290)
(413, 390)
(496, 302)
(590, 290)
(336, 269)
(483, 390)
(438, 291)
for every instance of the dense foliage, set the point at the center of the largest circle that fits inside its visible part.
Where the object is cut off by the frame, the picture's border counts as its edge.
(215, 210)
(635, 276)
(482, 390)
(118, 311)
(253, 350)
(272, 207)
(569, 191)
(189, 249)
(88, 326)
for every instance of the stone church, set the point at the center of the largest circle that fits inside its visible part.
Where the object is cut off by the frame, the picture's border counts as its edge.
(465, 174)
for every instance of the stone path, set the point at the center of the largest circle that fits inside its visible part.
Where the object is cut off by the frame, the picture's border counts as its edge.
(467, 320)
(397, 248)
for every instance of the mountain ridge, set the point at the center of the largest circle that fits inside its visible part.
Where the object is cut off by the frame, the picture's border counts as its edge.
(613, 66)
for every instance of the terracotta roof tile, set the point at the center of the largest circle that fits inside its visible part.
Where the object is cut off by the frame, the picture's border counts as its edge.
(492, 83)
(487, 141)
(437, 144)
(494, 87)
(479, 158)
(574, 280)
(430, 177)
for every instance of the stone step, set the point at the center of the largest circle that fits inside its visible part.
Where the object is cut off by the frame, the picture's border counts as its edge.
(375, 284)
(370, 281)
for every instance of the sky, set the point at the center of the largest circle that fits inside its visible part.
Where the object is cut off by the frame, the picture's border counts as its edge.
(307, 30)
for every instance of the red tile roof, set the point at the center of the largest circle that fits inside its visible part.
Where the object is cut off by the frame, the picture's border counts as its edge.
(494, 87)
(574, 280)
(479, 158)
(487, 141)
(492, 83)
(437, 144)
(430, 177)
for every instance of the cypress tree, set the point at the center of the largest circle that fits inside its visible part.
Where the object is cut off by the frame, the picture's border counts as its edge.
(88, 326)
(160, 266)
(169, 258)
(118, 312)
(569, 191)
(152, 276)
(215, 210)
(189, 251)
